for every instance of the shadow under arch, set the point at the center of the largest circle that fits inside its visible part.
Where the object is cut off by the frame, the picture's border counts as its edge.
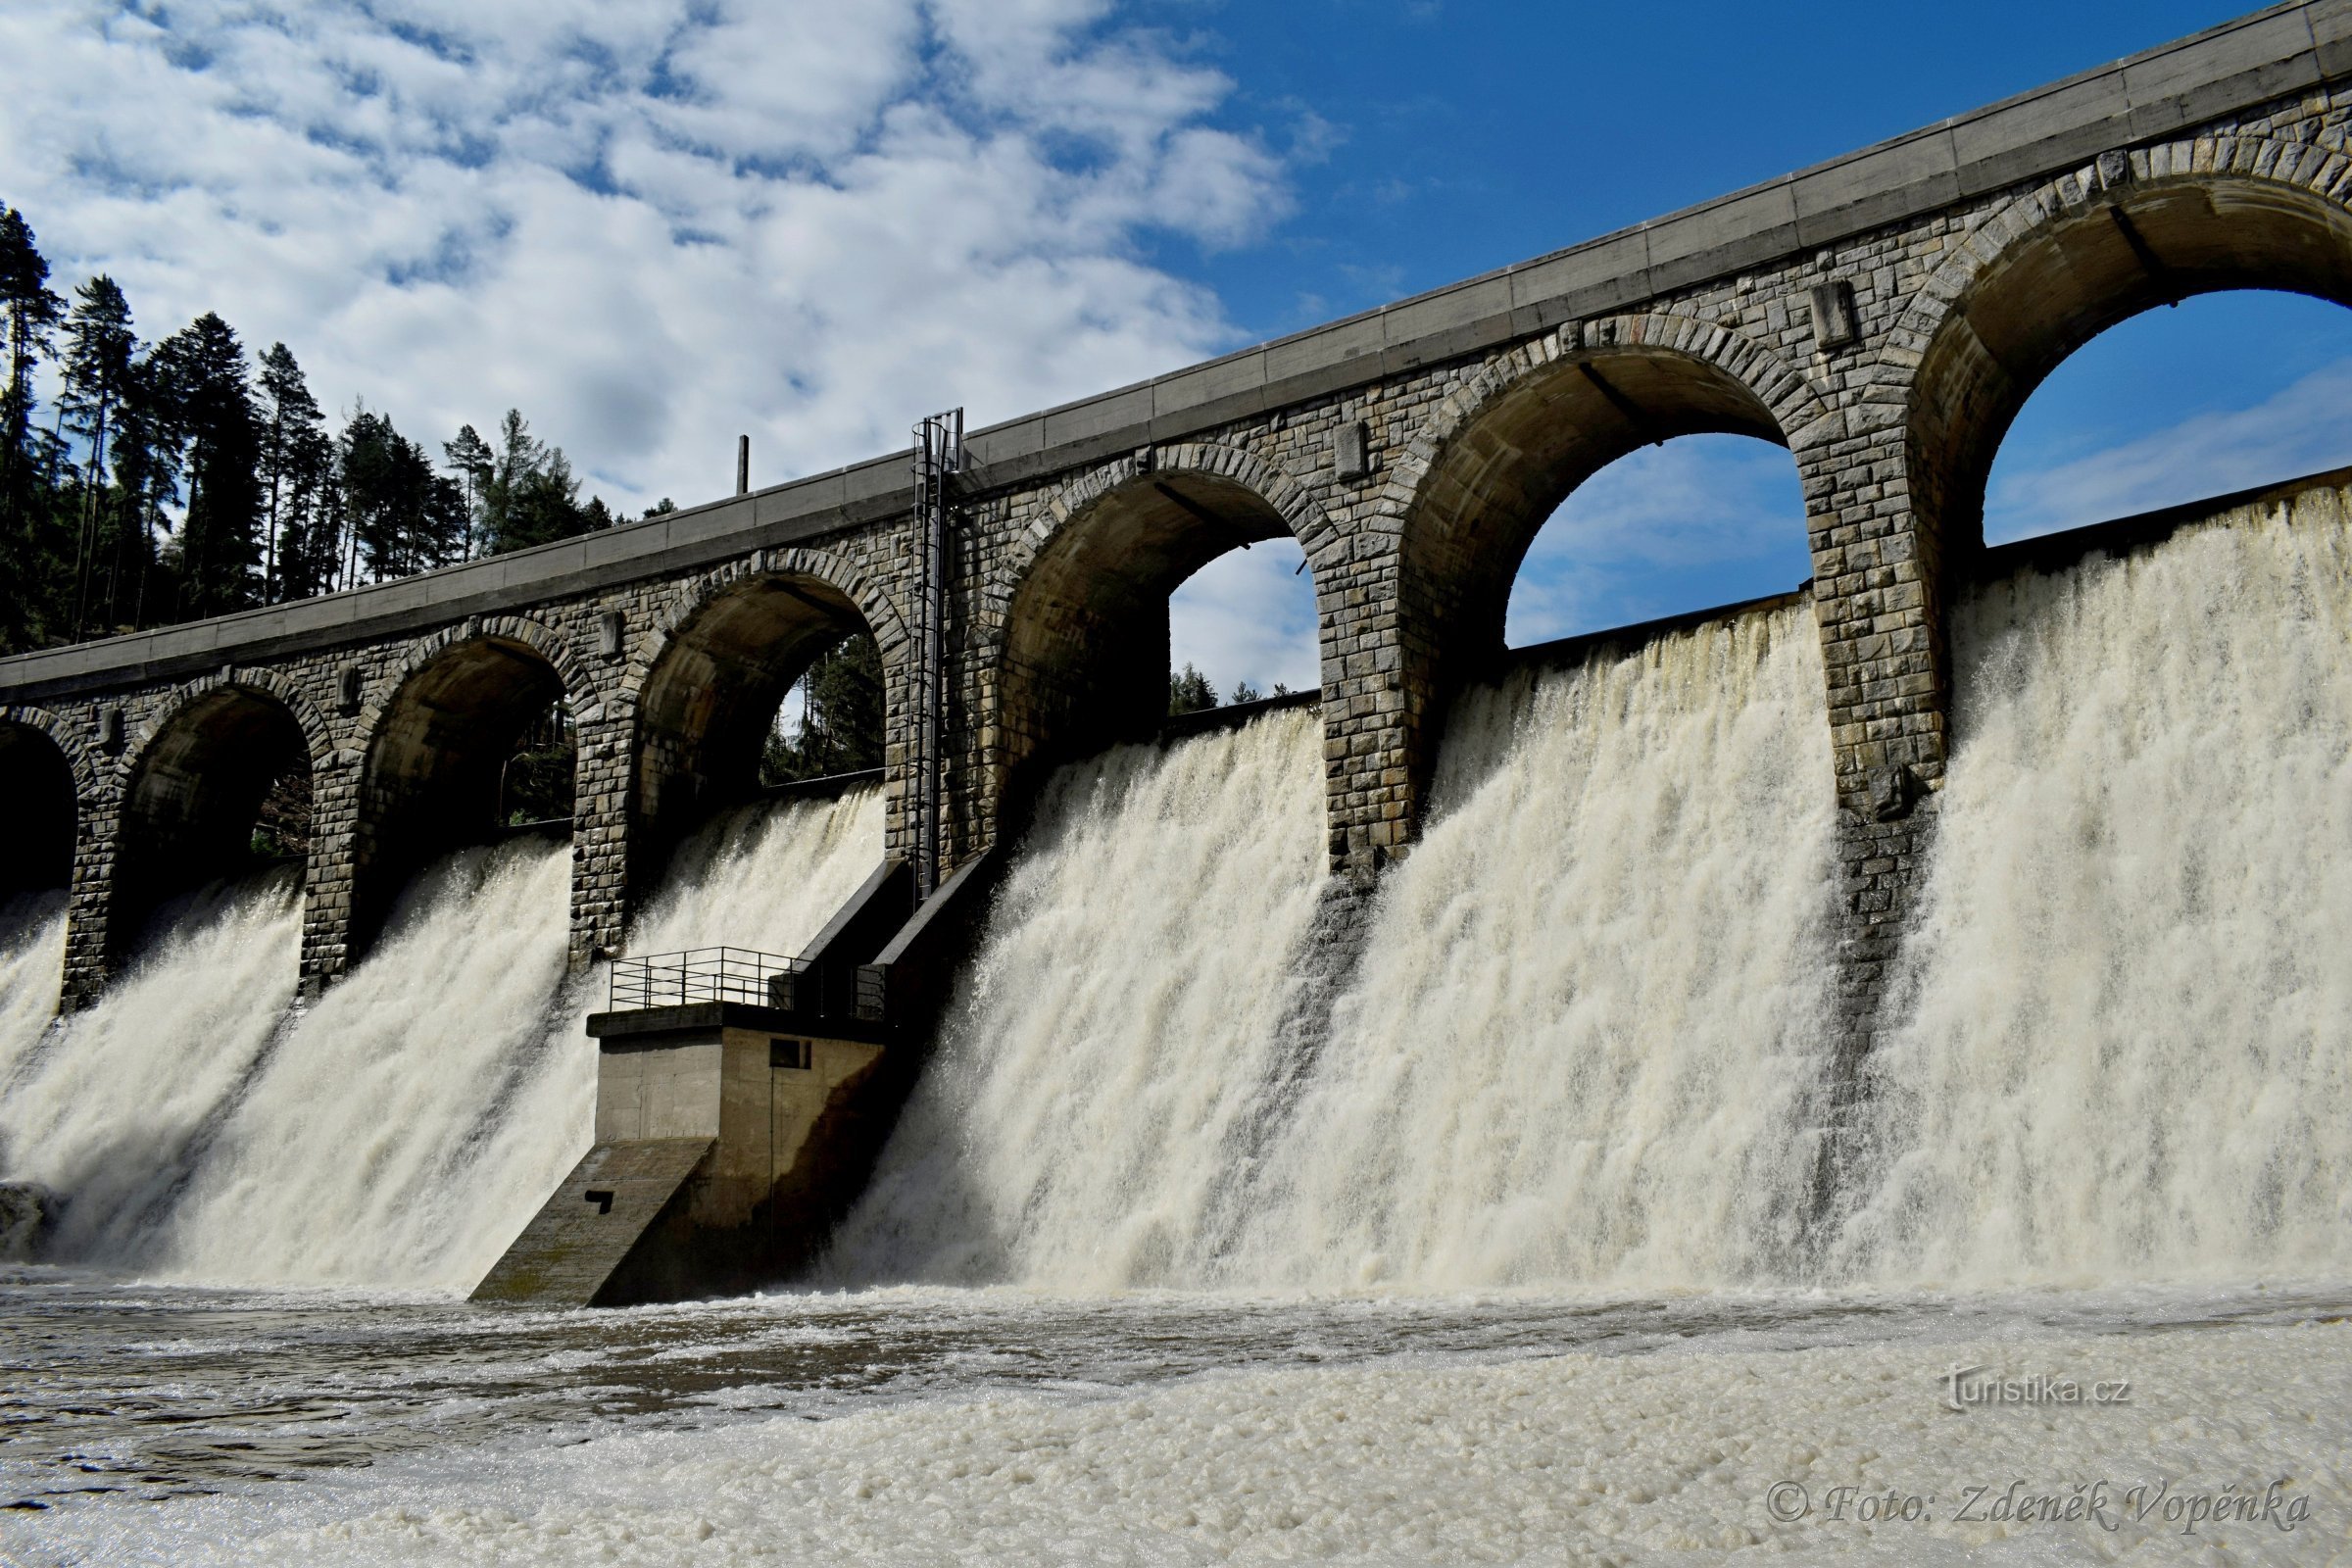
(435, 762)
(194, 794)
(41, 805)
(1084, 661)
(710, 696)
(1526, 438)
(2059, 266)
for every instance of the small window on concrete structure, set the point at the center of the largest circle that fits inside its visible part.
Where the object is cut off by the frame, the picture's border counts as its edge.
(789, 1053)
(602, 1198)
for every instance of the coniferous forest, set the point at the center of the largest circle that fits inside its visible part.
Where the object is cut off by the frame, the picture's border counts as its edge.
(172, 479)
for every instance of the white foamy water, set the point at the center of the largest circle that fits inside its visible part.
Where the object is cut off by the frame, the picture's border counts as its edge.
(954, 1427)
(1118, 1028)
(2128, 1051)
(404, 1128)
(113, 1108)
(1581, 1043)
(1578, 1048)
(765, 877)
(411, 1120)
(32, 957)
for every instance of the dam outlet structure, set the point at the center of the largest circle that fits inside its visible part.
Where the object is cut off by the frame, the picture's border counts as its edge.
(1689, 952)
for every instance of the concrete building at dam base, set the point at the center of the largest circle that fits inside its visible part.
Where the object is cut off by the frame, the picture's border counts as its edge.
(1883, 317)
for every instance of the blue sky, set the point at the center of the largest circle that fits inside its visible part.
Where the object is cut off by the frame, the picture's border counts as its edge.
(652, 224)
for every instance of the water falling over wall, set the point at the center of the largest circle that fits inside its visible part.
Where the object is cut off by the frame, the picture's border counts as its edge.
(113, 1108)
(402, 1129)
(1582, 1042)
(1118, 1028)
(1577, 1048)
(2125, 1016)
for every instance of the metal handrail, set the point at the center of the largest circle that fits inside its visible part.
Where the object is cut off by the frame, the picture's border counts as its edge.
(699, 974)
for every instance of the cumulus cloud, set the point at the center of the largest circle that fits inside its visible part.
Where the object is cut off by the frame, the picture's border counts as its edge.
(1249, 615)
(2297, 431)
(648, 224)
(1702, 521)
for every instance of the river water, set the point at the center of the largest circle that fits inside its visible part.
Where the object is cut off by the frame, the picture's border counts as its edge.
(1519, 1266)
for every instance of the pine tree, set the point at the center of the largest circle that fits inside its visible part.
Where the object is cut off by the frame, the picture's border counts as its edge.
(469, 460)
(1188, 690)
(842, 715)
(219, 538)
(100, 346)
(531, 496)
(289, 417)
(28, 310)
(147, 455)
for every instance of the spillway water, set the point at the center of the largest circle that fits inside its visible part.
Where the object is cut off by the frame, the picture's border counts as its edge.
(2124, 1042)
(401, 1130)
(1511, 1267)
(1576, 1051)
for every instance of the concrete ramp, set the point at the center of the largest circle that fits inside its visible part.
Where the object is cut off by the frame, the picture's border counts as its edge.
(582, 1237)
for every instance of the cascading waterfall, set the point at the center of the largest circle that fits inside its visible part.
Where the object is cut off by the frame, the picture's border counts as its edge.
(1577, 1045)
(409, 1122)
(33, 955)
(115, 1108)
(402, 1129)
(1584, 1044)
(765, 877)
(1117, 1027)
(1582, 1040)
(2124, 1047)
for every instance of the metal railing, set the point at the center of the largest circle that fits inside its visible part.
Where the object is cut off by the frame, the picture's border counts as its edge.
(700, 974)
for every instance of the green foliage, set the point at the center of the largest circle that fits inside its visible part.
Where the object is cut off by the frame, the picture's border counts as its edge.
(28, 310)
(842, 718)
(179, 480)
(1188, 690)
(219, 552)
(537, 786)
(1244, 692)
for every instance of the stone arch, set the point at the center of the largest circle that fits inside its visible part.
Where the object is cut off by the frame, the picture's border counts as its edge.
(435, 738)
(1081, 658)
(48, 788)
(217, 754)
(707, 684)
(2051, 268)
(1508, 445)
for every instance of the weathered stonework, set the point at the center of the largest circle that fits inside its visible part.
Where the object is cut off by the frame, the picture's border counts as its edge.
(1412, 452)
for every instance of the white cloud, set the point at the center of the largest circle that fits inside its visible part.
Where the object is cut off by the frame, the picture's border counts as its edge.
(650, 225)
(1697, 521)
(1249, 615)
(2297, 431)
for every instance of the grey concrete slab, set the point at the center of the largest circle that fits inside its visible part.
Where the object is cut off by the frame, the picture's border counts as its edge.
(816, 494)
(1603, 263)
(2029, 138)
(2256, 57)
(1760, 210)
(2331, 24)
(1876, 186)
(1205, 416)
(1360, 337)
(1001, 443)
(1082, 422)
(1446, 309)
(1208, 383)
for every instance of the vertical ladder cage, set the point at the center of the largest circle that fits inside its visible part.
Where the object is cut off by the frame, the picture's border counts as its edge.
(938, 453)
